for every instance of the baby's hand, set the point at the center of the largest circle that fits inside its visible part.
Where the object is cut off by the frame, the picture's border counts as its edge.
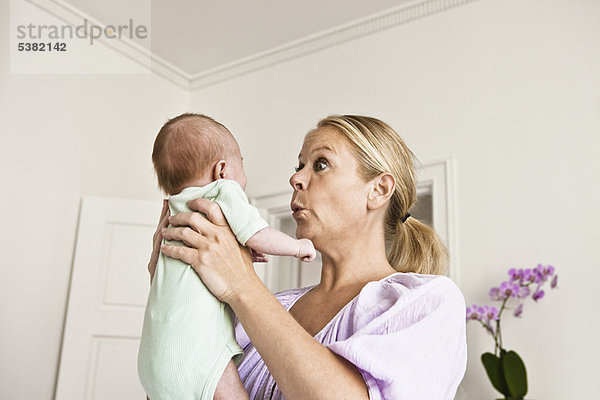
(257, 256)
(306, 250)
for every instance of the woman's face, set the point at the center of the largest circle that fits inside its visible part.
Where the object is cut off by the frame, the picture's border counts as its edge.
(329, 200)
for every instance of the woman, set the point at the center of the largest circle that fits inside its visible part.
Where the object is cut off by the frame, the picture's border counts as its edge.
(377, 326)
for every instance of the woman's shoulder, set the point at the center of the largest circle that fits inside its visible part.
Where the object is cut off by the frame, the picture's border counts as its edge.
(409, 296)
(410, 285)
(413, 279)
(401, 330)
(394, 292)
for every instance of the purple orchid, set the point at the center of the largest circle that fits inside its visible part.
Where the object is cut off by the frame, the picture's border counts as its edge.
(530, 276)
(544, 272)
(518, 311)
(522, 283)
(515, 274)
(509, 289)
(495, 294)
(538, 294)
(484, 314)
(524, 291)
(490, 313)
(474, 312)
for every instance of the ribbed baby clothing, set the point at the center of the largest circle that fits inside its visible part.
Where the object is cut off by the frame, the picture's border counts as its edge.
(188, 335)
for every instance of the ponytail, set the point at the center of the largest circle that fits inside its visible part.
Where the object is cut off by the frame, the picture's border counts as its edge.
(415, 247)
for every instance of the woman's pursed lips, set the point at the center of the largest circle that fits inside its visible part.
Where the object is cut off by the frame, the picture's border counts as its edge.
(296, 208)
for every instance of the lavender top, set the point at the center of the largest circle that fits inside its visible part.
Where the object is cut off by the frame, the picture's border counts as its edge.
(405, 333)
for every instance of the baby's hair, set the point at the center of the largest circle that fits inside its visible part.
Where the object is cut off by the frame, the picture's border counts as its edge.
(186, 147)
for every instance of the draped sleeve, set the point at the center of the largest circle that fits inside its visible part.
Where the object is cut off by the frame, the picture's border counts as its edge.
(406, 335)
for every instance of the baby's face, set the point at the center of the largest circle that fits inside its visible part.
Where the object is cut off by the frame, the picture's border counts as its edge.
(235, 164)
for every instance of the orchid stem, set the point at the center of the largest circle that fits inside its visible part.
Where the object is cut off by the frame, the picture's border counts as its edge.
(498, 334)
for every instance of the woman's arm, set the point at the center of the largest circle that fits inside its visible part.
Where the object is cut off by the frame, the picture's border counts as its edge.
(302, 367)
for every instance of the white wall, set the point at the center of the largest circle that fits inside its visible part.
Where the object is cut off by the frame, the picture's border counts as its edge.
(510, 90)
(62, 136)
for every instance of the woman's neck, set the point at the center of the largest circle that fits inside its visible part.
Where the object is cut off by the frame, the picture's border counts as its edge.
(354, 264)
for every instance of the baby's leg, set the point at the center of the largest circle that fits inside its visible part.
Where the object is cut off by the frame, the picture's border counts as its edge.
(230, 385)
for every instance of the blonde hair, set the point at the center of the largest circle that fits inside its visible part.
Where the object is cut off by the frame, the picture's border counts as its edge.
(411, 246)
(186, 147)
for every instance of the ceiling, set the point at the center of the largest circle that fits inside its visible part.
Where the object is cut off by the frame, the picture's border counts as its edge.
(197, 36)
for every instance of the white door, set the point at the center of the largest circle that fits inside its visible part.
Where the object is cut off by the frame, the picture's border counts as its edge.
(108, 293)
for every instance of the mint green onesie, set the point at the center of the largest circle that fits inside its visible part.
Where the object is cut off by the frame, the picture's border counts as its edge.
(188, 335)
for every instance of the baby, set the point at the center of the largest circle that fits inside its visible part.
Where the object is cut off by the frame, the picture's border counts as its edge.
(188, 339)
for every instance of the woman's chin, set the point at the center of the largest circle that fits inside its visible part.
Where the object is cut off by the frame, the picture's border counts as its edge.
(302, 232)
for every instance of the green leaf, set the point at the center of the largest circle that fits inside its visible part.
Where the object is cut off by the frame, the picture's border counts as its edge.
(515, 374)
(493, 367)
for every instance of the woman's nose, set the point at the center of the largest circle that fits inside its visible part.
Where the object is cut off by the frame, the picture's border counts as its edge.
(296, 181)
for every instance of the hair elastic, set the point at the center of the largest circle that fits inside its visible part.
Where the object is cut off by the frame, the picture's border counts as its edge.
(405, 217)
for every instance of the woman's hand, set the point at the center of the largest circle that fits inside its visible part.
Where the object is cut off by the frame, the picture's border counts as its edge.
(163, 222)
(211, 249)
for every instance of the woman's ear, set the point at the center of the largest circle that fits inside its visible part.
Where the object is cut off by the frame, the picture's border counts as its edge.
(382, 188)
(219, 170)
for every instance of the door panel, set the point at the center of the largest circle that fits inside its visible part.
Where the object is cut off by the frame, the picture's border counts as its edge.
(107, 296)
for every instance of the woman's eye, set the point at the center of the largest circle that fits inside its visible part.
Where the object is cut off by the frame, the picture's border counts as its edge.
(320, 164)
(299, 167)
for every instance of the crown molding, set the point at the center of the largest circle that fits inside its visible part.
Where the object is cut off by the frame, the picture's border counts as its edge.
(322, 40)
(309, 44)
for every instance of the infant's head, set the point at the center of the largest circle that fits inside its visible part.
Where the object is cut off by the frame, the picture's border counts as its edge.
(194, 150)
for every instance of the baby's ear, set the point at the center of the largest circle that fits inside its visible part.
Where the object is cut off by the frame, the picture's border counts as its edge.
(382, 188)
(219, 170)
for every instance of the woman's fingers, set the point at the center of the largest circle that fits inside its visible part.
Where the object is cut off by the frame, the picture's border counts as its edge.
(186, 235)
(165, 211)
(210, 209)
(185, 254)
(193, 220)
(210, 247)
(163, 222)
